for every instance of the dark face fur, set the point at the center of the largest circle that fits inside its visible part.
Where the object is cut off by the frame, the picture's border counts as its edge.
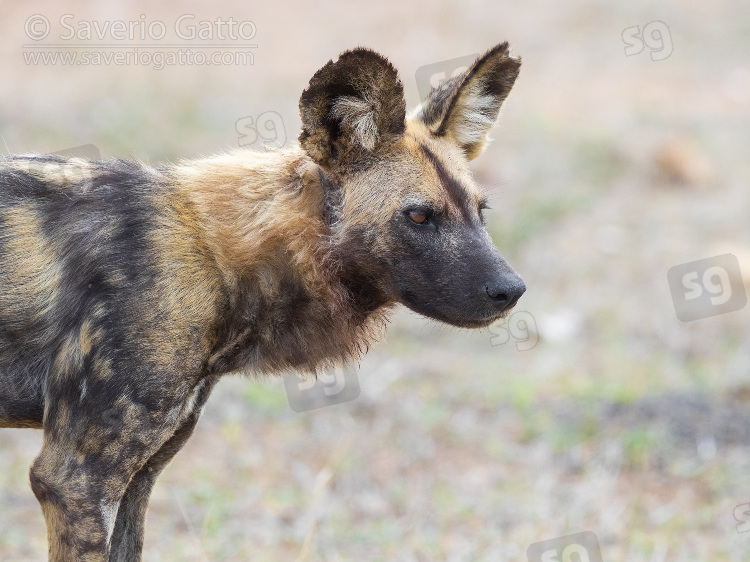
(446, 267)
(405, 201)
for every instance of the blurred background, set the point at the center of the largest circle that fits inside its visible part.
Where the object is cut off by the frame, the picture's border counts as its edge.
(621, 153)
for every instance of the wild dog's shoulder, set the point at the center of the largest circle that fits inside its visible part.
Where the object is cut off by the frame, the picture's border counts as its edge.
(243, 169)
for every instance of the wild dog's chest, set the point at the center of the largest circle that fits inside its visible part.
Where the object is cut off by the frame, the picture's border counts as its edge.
(292, 327)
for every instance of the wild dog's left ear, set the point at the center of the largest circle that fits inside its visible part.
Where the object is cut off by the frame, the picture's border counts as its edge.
(351, 107)
(465, 107)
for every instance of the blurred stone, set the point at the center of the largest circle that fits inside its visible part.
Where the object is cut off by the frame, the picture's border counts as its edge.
(740, 393)
(561, 325)
(680, 162)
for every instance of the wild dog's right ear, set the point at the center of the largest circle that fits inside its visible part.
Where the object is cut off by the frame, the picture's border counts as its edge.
(465, 107)
(351, 107)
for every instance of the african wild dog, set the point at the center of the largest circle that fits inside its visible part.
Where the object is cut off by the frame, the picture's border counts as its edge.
(126, 290)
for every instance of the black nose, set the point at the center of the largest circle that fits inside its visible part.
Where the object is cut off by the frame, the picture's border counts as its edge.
(505, 293)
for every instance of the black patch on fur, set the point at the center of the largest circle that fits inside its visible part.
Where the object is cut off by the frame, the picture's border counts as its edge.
(333, 197)
(457, 194)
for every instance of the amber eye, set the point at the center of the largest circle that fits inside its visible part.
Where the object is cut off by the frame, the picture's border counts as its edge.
(419, 217)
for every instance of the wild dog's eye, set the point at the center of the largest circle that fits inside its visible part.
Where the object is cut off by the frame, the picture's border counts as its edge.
(418, 216)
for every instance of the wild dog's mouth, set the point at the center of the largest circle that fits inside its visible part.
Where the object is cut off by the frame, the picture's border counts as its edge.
(455, 314)
(487, 321)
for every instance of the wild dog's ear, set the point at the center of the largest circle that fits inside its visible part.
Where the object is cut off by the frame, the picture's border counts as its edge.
(465, 107)
(351, 107)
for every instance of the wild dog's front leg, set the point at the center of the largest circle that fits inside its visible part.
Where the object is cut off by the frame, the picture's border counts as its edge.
(127, 540)
(94, 443)
(79, 498)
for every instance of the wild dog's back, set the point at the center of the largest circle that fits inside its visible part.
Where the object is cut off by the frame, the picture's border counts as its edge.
(70, 238)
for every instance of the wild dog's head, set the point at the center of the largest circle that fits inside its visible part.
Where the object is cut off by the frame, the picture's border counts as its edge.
(405, 212)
